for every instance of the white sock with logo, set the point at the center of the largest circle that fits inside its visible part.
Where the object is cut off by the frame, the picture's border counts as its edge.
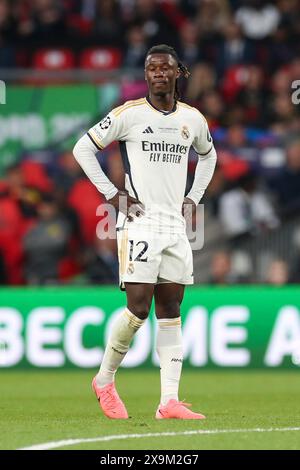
(170, 351)
(123, 330)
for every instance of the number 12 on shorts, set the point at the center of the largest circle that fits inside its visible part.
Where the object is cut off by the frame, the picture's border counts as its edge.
(139, 257)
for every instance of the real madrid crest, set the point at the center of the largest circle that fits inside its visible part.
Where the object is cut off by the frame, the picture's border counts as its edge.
(185, 132)
(130, 269)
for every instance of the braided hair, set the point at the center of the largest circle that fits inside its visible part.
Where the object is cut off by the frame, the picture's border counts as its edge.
(164, 49)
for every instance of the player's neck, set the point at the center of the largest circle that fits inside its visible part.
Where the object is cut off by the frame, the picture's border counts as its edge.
(162, 103)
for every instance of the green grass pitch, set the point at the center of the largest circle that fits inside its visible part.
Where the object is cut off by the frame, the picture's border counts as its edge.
(44, 406)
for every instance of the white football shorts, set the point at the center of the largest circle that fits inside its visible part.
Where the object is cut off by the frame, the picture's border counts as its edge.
(152, 257)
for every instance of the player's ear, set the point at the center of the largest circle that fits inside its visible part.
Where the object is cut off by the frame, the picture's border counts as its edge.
(178, 73)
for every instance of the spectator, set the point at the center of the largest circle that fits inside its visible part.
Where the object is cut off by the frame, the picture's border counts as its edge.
(278, 273)
(253, 98)
(282, 110)
(213, 109)
(24, 187)
(211, 17)
(258, 18)
(47, 23)
(287, 184)
(237, 145)
(108, 25)
(67, 172)
(102, 262)
(220, 269)
(230, 268)
(201, 81)
(233, 49)
(290, 19)
(245, 210)
(281, 82)
(17, 214)
(45, 244)
(84, 199)
(157, 27)
(281, 50)
(136, 47)
(189, 49)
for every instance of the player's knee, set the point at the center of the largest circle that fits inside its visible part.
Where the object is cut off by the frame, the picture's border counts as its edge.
(141, 310)
(168, 309)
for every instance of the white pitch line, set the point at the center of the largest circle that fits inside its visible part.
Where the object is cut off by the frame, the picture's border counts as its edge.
(72, 442)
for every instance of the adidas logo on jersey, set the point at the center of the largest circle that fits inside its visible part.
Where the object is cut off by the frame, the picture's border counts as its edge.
(148, 131)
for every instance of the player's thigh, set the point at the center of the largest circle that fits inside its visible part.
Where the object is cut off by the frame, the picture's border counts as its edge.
(139, 298)
(168, 297)
(177, 261)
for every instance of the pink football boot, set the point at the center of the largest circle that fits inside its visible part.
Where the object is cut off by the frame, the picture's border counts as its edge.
(109, 401)
(176, 410)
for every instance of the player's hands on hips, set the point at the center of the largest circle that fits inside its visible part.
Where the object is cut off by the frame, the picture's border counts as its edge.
(127, 204)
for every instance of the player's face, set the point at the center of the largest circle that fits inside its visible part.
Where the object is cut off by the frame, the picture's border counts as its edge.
(161, 72)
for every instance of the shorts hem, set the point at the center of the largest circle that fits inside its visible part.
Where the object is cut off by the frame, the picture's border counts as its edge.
(157, 281)
(177, 281)
(140, 281)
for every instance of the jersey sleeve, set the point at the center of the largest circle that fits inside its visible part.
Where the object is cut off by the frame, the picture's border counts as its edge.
(112, 127)
(203, 142)
(207, 158)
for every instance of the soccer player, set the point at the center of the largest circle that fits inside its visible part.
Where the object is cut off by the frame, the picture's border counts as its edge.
(155, 134)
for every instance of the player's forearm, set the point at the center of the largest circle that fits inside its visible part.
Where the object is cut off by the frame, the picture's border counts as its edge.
(85, 154)
(203, 174)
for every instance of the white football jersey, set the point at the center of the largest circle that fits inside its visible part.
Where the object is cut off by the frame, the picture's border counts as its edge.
(155, 146)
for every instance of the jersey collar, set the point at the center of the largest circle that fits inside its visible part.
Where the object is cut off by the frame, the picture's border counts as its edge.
(165, 113)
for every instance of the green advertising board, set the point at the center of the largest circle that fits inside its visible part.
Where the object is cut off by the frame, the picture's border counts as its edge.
(243, 327)
(35, 118)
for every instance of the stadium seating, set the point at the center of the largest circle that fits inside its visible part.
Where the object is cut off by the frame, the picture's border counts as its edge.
(100, 58)
(53, 59)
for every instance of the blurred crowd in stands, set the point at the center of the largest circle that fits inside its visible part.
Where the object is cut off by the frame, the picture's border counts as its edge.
(244, 56)
(221, 33)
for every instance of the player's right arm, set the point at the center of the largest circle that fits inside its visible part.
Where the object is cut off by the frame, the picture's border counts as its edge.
(113, 127)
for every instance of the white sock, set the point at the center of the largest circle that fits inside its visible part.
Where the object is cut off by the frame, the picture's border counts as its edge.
(170, 351)
(123, 330)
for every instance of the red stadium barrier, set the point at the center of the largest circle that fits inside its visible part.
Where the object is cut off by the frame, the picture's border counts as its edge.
(101, 58)
(53, 59)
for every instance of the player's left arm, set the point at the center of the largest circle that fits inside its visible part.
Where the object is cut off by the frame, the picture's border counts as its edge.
(207, 158)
